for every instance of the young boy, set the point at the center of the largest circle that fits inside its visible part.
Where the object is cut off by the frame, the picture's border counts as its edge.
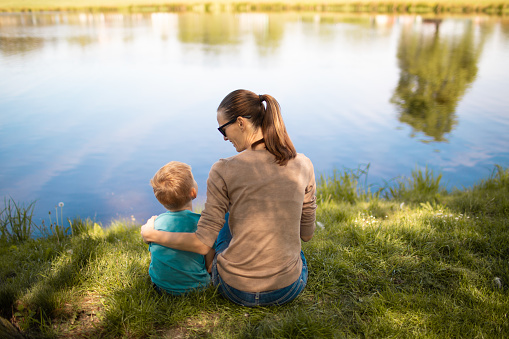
(175, 271)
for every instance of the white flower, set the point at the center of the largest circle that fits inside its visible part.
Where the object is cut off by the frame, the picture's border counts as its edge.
(60, 204)
(498, 282)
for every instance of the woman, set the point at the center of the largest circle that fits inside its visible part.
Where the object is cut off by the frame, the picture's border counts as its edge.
(269, 191)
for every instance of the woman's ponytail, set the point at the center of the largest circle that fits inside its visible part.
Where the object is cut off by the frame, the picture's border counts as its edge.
(277, 140)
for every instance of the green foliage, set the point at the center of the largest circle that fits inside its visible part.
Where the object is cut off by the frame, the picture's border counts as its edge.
(348, 6)
(421, 187)
(352, 186)
(291, 324)
(349, 185)
(80, 226)
(16, 221)
(489, 197)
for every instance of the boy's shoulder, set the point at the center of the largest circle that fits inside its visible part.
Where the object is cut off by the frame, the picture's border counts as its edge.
(181, 221)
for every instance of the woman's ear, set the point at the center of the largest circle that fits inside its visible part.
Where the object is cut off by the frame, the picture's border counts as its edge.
(242, 124)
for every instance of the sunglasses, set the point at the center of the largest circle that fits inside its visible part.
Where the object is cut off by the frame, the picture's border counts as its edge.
(221, 128)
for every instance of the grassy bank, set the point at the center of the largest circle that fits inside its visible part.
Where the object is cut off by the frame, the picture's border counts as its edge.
(411, 260)
(398, 6)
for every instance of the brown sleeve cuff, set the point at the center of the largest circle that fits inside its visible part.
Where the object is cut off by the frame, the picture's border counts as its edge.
(308, 217)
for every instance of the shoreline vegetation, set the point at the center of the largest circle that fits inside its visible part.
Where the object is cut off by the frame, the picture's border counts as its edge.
(495, 7)
(405, 259)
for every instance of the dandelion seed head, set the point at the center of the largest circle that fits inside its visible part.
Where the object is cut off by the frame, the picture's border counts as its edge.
(498, 282)
(60, 204)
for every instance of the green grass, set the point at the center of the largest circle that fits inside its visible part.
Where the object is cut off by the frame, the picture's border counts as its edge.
(401, 6)
(15, 221)
(434, 267)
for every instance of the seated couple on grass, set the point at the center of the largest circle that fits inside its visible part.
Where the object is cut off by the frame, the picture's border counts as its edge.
(260, 204)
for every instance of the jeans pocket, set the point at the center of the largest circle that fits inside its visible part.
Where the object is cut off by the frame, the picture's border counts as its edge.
(290, 293)
(238, 297)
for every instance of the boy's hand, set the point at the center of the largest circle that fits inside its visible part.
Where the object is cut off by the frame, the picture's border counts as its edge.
(147, 228)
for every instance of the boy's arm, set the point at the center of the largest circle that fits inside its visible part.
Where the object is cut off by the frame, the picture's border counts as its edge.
(209, 258)
(176, 240)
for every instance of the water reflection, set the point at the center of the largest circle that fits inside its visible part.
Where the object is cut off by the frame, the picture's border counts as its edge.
(437, 65)
(89, 101)
(205, 29)
(208, 29)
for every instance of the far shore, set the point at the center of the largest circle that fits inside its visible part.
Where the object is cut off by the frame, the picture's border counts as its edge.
(497, 7)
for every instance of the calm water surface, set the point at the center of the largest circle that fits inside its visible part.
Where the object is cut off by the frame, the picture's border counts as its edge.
(92, 105)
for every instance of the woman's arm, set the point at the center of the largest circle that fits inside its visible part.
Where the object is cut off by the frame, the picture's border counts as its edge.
(178, 241)
(209, 258)
(306, 238)
(308, 217)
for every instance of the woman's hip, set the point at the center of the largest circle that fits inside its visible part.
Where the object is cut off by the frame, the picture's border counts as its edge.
(275, 297)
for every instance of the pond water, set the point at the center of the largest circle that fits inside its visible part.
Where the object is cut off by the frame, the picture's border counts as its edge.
(92, 105)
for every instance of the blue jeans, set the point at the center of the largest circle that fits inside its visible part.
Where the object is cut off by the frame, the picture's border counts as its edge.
(276, 297)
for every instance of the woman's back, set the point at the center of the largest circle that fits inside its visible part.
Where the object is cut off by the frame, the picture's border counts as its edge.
(266, 202)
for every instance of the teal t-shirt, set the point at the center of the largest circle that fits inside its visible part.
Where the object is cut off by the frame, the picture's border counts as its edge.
(176, 271)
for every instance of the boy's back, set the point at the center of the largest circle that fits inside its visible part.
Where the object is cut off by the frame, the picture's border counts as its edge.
(177, 271)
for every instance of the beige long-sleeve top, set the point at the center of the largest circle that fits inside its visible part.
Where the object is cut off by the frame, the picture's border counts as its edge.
(270, 206)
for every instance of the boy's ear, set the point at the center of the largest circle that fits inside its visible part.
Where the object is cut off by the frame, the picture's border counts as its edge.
(194, 193)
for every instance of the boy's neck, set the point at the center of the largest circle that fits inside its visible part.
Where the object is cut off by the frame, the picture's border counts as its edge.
(188, 206)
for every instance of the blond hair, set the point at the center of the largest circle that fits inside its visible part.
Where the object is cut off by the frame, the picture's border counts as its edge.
(172, 185)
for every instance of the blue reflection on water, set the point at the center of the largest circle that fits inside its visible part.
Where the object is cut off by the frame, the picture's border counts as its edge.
(92, 105)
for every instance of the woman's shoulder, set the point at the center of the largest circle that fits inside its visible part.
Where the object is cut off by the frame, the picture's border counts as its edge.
(223, 162)
(259, 155)
(220, 166)
(301, 158)
(234, 158)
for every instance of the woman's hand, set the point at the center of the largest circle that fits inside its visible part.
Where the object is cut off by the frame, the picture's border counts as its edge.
(146, 230)
(176, 240)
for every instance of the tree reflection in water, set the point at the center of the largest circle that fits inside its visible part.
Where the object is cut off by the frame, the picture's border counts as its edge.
(435, 71)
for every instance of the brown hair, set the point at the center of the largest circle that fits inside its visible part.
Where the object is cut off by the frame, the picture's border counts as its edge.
(246, 103)
(172, 185)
